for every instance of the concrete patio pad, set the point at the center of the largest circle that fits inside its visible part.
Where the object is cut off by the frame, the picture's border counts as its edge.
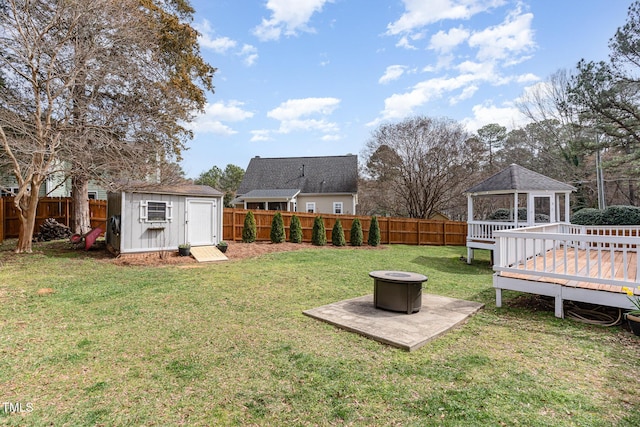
(407, 331)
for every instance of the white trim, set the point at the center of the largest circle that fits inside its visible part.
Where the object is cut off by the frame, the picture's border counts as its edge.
(144, 211)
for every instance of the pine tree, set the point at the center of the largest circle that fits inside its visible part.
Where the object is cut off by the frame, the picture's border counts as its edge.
(356, 233)
(318, 234)
(374, 232)
(337, 234)
(277, 229)
(295, 230)
(249, 231)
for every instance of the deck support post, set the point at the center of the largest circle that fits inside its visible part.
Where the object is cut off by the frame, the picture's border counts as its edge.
(559, 312)
(498, 297)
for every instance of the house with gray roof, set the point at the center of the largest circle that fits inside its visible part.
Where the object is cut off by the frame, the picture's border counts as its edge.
(327, 184)
(515, 197)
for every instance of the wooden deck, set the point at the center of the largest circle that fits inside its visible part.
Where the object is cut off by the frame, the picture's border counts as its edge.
(580, 263)
(566, 262)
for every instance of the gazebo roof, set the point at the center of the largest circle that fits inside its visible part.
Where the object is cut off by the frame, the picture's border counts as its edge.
(515, 178)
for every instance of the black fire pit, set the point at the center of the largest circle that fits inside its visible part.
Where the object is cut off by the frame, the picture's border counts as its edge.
(397, 290)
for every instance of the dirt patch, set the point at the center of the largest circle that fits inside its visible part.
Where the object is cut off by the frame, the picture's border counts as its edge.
(235, 251)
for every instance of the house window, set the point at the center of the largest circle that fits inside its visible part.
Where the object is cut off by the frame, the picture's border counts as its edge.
(10, 191)
(337, 207)
(311, 207)
(93, 195)
(155, 211)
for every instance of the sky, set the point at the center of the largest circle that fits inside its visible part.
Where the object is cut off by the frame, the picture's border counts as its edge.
(317, 77)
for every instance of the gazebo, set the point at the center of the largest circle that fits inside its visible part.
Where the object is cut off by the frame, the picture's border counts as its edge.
(515, 197)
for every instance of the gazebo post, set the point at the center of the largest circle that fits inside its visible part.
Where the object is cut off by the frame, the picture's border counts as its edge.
(469, 220)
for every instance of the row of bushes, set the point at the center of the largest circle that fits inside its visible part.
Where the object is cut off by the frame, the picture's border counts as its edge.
(504, 214)
(613, 215)
(318, 235)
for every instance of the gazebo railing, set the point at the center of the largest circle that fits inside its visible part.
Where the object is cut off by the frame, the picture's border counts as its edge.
(483, 230)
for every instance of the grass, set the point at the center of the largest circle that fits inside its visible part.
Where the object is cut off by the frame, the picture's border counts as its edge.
(227, 344)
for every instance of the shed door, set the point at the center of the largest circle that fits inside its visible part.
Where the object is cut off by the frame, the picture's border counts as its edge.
(201, 220)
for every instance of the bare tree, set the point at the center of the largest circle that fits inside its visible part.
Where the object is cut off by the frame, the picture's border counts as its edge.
(424, 162)
(93, 84)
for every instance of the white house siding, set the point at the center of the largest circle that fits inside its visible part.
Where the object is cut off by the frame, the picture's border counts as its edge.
(324, 203)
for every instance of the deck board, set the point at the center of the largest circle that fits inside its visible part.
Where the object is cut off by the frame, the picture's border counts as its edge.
(585, 262)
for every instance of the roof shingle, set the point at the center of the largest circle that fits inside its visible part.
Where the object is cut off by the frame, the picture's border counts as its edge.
(329, 174)
(517, 178)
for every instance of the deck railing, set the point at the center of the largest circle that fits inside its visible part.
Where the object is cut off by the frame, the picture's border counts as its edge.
(606, 255)
(483, 230)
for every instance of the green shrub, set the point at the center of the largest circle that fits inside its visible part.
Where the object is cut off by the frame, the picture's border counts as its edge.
(374, 232)
(249, 230)
(277, 229)
(318, 234)
(337, 234)
(295, 230)
(504, 214)
(621, 215)
(587, 216)
(356, 233)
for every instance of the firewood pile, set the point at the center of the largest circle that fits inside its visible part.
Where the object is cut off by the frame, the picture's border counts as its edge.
(52, 230)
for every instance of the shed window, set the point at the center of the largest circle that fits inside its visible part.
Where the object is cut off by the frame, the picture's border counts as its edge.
(155, 211)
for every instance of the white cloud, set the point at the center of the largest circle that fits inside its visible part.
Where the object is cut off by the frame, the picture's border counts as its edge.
(295, 108)
(502, 42)
(288, 17)
(224, 45)
(261, 135)
(298, 115)
(393, 72)
(215, 114)
(446, 41)
(483, 114)
(419, 13)
(249, 54)
(401, 105)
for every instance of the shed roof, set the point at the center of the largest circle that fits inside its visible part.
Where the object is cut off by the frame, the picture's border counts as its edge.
(516, 178)
(179, 190)
(328, 174)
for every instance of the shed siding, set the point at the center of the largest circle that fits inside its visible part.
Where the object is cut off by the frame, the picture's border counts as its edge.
(140, 236)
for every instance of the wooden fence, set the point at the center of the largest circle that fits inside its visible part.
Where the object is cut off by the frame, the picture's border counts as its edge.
(58, 208)
(405, 231)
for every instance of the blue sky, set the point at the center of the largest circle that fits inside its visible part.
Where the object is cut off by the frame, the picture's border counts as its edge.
(316, 77)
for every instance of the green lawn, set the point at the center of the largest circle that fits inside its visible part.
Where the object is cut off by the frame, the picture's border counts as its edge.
(227, 344)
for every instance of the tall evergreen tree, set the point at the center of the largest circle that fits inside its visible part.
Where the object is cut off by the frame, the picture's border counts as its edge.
(277, 229)
(249, 230)
(356, 237)
(295, 230)
(337, 234)
(374, 232)
(319, 233)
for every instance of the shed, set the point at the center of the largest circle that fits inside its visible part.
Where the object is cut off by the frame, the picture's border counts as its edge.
(515, 197)
(159, 218)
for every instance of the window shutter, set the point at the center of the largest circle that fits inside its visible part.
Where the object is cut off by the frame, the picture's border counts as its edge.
(143, 211)
(169, 211)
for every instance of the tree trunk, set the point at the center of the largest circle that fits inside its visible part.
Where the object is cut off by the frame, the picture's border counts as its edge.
(27, 215)
(81, 222)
